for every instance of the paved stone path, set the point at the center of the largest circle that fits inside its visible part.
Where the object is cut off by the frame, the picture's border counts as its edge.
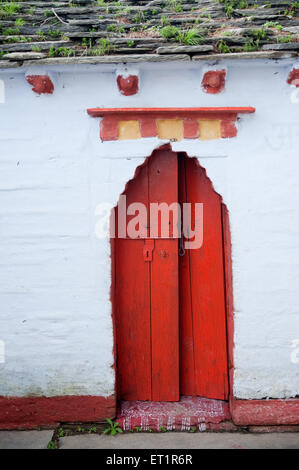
(170, 440)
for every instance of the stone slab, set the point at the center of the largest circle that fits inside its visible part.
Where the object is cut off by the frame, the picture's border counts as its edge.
(25, 439)
(181, 440)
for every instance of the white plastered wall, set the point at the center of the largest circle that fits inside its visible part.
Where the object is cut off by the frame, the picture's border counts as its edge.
(55, 318)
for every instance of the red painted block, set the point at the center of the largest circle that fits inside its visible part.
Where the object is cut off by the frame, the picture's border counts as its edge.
(109, 128)
(191, 128)
(148, 127)
(228, 129)
(293, 78)
(128, 85)
(41, 84)
(265, 412)
(213, 81)
(30, 412)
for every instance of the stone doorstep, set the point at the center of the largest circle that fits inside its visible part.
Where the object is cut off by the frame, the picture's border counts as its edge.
(190, 413)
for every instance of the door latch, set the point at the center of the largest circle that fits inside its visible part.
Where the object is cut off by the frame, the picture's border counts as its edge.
(148, 249)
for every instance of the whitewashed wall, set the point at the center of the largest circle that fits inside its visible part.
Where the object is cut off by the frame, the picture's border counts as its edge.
(55, 274)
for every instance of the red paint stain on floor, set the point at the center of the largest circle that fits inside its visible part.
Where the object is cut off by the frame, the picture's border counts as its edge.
(188, 413)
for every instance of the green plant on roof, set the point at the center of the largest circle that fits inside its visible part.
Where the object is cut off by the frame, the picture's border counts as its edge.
(190, 37)
(10, 31)
(223, 47)
(20, 22)
(48, 13)
(9, 8)
(105, 47)
(139, 17)
(231, 5)
(87, 42)
(55, 33)
(258, 33)
(131, 43)
(36, 49)
(164, 20)
(112, 28)
(113, 428)
(252, 45)
(284, 39)
(174, 5)
(273, 24)
(169, 32)
(41, 35)
(61, 52)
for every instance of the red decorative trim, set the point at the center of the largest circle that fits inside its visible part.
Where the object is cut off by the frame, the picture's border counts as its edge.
(128, 86)
(147, 118)
(293, 78)
(213, 81)
(265, 412)
(217, 113)
(148, 127)
(191, 128)
(28, 413)
(109, 128)
(228, 129)
(42, 84)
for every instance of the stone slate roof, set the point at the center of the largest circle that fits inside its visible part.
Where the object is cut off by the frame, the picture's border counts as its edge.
(96, 31)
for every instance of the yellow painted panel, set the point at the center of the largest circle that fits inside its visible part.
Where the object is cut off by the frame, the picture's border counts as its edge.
(170, 129)
(209, 129)
(128, 130)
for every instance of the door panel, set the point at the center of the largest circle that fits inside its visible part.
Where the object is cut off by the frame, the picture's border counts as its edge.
(132, 306)
(202, 284)
(146, 296)
(163, 176)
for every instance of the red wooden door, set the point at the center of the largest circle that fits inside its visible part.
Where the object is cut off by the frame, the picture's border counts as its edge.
(203, 348)
(146, 294)
(170, 310)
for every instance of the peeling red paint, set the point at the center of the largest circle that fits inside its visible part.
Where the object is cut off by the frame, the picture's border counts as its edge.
(147, 118)
(228, 129)
(214, 81)
(148, 127)
(28, 413)
(191, 128)
(41, 84)
(265, 412)
(128, 85)
(109, 128)
(293, 78)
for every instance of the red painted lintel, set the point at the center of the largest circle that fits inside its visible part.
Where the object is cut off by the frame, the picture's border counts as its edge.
(102, 112)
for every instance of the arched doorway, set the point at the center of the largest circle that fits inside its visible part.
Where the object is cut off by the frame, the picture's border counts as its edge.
(168, 300)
